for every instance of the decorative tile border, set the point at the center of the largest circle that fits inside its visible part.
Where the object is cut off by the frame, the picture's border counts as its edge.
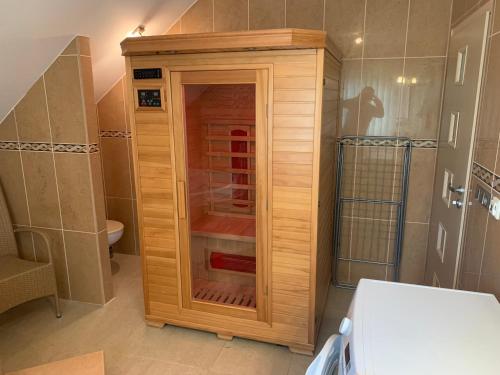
(424, 143)
(371, 142)
(488, 177)
(115, 134)
(48, 147)
(8, 145)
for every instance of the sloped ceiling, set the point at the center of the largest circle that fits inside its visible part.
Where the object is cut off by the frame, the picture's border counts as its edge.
(34, 32)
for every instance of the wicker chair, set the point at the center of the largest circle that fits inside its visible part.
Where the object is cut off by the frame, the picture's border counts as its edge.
(22, 280)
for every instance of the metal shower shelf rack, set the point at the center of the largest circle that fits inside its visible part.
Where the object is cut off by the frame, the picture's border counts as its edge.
(370, 207)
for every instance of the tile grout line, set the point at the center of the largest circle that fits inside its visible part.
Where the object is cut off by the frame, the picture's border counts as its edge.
(24, 183)
(58, 229)
(351, 222)
(396, 152)
(57, 186)
(395, 58)
(285, 13)
(91, 178)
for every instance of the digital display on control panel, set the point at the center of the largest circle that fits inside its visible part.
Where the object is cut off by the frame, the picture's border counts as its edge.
(153, 73)
(149, 98)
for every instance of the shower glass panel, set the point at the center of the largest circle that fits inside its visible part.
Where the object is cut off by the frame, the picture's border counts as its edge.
(221, 192)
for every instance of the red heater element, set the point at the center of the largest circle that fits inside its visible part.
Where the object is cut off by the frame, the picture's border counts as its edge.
(232, 262)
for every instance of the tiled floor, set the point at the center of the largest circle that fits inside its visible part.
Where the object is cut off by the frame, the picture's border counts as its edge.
(31, 335)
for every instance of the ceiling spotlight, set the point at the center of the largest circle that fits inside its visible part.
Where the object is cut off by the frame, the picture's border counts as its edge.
(358, 40)
(137, 32)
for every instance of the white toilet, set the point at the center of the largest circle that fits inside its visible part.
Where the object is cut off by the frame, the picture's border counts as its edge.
(115, 231)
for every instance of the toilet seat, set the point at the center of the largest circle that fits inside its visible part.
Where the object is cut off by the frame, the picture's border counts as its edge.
(113, 226)
(115, 231)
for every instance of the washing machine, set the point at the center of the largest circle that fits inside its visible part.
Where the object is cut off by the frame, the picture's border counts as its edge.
(402, 329)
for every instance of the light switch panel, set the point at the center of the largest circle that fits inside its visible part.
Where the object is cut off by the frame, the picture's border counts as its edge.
(495, 208)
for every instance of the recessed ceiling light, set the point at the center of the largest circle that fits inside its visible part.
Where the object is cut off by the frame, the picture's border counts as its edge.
(358, 40)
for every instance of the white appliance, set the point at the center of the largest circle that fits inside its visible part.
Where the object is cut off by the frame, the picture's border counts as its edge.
(401, 329)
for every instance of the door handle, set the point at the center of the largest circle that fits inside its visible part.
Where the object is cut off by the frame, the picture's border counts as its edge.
(458, 204)
(459, 189)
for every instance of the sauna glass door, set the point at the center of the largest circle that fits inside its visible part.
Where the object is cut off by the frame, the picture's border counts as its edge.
(220, 142)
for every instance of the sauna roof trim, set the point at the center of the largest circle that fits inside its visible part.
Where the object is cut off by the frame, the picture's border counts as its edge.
(275, 39)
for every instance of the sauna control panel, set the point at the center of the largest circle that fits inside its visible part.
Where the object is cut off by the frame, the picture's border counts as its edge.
(152, 73)
(149, 98)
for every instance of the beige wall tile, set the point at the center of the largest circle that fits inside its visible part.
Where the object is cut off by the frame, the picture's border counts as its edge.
(72, 48)
(491, 259)
(64, 97)
(421, 185)
(428, 28)
(421, 99)
(414, 253)
(111, 109)
(116, 167)
(305, 14)
(344, 23)
(83, 45)
(11, 178)
(87, 80)
(230, 15)
(489, 120)
(367, 271)
(265, 14)
(83, 267)
(496, 21)
(122, 210)
(385, 28)
(75, 191)
(8, 130)
(371, 240)
(106, 265)
(58, 255)
(175, 29)
(475, 232)
(42, 190)
(98, 190)
(468, 281)
(199, 18)
(380, 97)
(375, 168)
(489, 283)
(31, 115)
(351, 89)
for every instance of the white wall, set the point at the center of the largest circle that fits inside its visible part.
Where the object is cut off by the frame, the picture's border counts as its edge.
(34, 32)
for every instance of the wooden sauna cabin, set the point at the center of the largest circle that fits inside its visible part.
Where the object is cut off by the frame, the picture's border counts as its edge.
(233, 141)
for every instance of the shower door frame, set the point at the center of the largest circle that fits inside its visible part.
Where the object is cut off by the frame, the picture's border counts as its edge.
(177, 117)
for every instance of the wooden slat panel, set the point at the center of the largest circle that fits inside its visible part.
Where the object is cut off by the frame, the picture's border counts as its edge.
(292, 146)
(300, 134)
(152, 140)
(294, 108)
(295, 83)
(295, 69)
(297, 95)
(152, 129)
(288, 121)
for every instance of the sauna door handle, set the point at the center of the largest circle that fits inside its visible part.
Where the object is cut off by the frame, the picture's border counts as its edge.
(181, 193)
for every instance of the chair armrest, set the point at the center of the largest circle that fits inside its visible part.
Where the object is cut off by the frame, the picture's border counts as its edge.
(42, 234)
